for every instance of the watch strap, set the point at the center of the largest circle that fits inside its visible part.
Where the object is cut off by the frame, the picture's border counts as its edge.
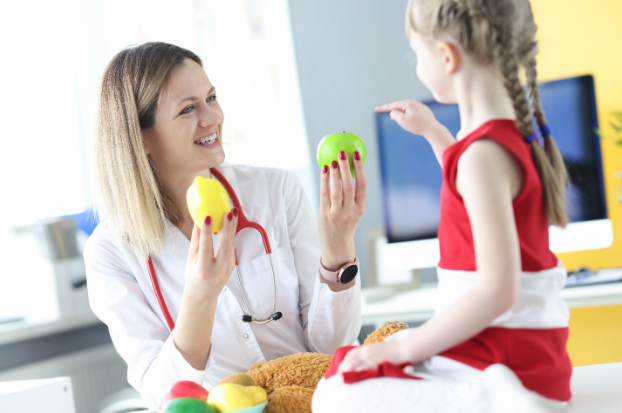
(335, 276)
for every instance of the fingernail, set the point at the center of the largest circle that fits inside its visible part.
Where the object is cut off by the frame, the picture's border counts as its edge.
(334, 165)
(325, 169)
(235, 212)
(357, 156)
(342, 155)
(230, 216)
(207, 220)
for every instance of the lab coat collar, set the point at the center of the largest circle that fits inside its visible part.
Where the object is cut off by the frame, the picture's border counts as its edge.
(175, 242)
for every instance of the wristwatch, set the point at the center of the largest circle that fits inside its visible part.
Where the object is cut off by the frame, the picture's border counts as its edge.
(343, 275)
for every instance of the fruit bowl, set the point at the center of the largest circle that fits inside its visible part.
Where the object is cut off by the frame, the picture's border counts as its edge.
(255, 409)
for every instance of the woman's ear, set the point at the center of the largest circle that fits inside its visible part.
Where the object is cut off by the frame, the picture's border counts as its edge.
(451, 57)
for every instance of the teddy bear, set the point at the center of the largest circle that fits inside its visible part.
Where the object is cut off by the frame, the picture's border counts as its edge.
(291, 380)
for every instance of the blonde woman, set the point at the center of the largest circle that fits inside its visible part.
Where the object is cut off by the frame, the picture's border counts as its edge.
(164, 285)
(500, 319)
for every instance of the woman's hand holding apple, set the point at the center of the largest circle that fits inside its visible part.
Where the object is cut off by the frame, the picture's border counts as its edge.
(342, 200)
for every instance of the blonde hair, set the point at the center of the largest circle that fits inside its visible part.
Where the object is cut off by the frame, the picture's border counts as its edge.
(130, 195)
(502, 33)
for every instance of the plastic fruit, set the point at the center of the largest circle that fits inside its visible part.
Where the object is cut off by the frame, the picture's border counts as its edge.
(207, 197)
(329, 147)
(230, 397)
(238, 378)
(185, 389)
(187, 405)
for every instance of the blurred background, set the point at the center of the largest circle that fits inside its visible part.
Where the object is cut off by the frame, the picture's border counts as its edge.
(287, 72)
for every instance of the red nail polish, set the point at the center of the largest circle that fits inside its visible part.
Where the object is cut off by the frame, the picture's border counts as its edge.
(334, 165)
(235, 212)
(208, 220)
(342, 155)
(230, 216)
(357, 156)
(325, 169)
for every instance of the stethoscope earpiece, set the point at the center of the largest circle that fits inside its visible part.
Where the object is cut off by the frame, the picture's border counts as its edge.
(276, 315)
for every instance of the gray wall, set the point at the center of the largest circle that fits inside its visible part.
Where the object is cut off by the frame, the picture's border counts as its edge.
(353, 55)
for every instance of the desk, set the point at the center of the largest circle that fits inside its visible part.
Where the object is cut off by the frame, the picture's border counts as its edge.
(597, 389)
(418, 305)
(595, 318)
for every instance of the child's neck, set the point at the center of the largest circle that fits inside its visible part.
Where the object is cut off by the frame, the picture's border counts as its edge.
(481, 97)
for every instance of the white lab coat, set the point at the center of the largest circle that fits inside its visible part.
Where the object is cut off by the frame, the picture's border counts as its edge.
(314, 317)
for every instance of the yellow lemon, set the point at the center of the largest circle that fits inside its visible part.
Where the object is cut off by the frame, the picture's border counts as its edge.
(231, 397)
(259, 394)
(207, 197)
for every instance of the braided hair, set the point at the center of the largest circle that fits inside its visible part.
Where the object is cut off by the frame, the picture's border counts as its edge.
(502, 33)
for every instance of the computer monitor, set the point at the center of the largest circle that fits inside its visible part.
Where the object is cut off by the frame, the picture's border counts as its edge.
(411, 177)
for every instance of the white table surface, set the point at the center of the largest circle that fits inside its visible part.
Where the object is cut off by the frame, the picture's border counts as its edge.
(597, 389)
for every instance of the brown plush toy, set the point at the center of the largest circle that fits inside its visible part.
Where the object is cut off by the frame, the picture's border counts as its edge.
(291, 380)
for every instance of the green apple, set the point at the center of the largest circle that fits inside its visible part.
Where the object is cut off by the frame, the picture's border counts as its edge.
(329, 147)
(187, 405)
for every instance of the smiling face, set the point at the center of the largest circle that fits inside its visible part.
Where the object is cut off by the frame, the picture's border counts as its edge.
(186, 137)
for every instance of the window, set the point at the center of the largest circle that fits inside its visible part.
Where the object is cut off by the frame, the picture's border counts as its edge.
(54, 55)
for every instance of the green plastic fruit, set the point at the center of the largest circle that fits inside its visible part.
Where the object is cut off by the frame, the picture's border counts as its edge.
(329, 147)
(207, 197)
(187, 405)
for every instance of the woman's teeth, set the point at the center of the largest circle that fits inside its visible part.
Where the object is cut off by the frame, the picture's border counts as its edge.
(208, 139)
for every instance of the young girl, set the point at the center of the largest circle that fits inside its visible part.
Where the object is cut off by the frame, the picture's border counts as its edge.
(499, 284)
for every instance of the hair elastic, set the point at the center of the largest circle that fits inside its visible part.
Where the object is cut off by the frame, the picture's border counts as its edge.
(545, 131)
(531, 138)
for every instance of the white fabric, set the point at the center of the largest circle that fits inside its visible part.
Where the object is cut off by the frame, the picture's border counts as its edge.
(437, 368)
(539, 303)
(314, 317)
(496, 389)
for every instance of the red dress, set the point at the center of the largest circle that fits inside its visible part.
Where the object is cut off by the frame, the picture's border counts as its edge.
(531, 337)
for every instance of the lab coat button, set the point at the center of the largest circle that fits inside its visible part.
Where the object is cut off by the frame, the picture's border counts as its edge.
(245, 336)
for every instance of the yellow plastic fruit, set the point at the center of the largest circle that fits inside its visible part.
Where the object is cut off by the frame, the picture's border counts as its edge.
(207, 197)
(238, 378)
(230, 397)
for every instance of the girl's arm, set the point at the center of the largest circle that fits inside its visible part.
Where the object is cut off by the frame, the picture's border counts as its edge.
(488, 179)
(418, 119)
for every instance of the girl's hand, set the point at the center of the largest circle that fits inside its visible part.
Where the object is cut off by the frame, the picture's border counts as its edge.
(206, 272)
(368, 357)
(413, 116)
(418, 119)
(342, 204)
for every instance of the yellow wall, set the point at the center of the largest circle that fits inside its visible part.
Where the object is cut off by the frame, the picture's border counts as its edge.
(595, 335)
(585, 37)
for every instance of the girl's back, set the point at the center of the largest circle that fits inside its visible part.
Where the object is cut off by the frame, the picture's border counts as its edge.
(530, 338)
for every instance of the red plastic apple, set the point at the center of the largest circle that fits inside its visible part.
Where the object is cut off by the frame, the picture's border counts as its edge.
(185, 389)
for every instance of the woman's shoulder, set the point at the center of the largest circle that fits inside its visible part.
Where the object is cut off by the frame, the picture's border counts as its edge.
(102, 241)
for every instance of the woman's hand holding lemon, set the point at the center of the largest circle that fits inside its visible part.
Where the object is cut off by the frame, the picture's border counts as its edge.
(207, 271)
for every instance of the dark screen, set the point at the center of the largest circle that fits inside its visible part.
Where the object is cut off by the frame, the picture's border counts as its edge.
(411, 175)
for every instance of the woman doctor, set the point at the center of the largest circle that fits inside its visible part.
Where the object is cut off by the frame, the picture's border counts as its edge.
(160, 126)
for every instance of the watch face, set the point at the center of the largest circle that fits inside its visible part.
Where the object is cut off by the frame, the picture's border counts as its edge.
(349, 274)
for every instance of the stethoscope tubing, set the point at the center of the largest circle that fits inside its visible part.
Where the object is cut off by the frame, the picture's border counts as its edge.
(243, 223)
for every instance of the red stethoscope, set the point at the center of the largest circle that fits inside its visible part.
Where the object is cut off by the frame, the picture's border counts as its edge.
(243, 223)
